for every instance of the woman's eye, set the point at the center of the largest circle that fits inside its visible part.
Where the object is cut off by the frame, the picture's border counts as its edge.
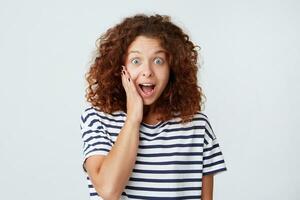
(158, 61)
(135, 61)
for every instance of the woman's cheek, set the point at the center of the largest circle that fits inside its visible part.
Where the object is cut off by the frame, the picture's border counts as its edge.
(133, 73)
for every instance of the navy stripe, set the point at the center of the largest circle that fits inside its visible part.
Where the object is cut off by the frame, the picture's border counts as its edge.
(205, 141)
(98, 130)
(94, 194)
(97, 138)
(167, 171)
(173, 137)
(96, 143)
(162, 189)
(213, 164)
(163, 198)
(212, 156)
(214, 171)
(210, 135)
(169, 163)
(172, 130)
(93, 122)
(97, 149)
(148, 180)
(211, 148)
(170, 154)
(170, 146)
(96, 113)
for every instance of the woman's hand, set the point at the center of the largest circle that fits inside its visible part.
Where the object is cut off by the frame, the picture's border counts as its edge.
(134, 100)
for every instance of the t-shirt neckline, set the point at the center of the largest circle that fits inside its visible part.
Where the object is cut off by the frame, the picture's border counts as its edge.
(146, 124)
(151, 125)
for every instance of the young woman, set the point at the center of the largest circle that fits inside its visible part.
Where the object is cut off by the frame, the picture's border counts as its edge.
(145, 135)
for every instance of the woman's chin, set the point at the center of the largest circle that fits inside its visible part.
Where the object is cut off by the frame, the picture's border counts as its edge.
(147, 102)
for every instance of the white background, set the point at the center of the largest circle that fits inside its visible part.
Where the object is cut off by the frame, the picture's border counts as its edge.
(250, 75)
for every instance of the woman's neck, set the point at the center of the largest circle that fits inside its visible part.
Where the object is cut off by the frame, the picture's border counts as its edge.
(149, 116)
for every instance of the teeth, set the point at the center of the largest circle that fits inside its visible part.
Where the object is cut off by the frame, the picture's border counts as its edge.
(147, 84)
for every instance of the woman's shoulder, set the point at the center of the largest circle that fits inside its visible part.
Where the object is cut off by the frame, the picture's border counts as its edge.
(89, 112)
(201, 118)
(201, 114)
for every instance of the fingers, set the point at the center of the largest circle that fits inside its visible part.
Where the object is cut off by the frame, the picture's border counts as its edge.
(127, 81)
(126, 73)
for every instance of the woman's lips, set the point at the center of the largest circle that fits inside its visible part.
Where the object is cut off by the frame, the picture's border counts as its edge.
(148, 93)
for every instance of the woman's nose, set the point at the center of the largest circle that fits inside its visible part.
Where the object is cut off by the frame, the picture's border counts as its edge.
(146, 70)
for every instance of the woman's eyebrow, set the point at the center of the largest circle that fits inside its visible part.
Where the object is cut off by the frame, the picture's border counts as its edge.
(156, 52)
(159, 51)
(133, 52)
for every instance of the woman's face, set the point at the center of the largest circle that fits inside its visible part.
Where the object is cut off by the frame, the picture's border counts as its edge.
(146, 62)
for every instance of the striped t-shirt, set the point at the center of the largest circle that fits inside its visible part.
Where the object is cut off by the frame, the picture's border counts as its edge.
(171, 159)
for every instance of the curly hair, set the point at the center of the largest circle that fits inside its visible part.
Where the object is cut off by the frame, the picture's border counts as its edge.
(182, 96)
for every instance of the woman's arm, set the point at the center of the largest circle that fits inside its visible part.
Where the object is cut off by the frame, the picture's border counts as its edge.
(110, 174)
(207, 187)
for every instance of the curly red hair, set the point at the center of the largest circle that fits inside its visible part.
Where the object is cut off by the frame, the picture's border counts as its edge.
(182, 94)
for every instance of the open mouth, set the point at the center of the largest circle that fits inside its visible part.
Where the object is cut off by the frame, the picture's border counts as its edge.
(147, 89)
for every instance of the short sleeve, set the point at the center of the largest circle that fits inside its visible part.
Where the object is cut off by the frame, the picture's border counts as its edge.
(95, 139)
(213, 159)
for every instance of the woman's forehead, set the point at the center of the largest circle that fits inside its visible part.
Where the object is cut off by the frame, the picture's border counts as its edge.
(143, 44)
